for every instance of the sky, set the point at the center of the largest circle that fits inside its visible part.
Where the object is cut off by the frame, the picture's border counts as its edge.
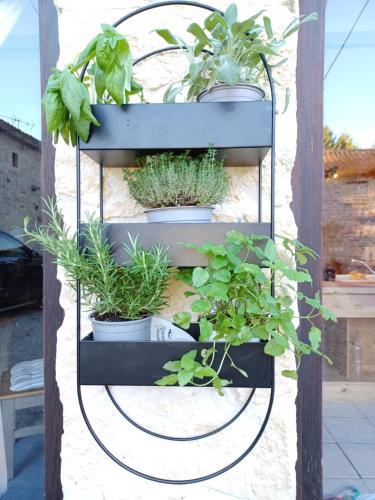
(349, 102)
(19, 64)
(349, 97)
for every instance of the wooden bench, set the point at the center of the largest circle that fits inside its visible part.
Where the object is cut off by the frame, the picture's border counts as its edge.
(10, 402)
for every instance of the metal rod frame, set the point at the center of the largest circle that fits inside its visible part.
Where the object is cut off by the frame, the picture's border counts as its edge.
(179, 438)
(101, 201)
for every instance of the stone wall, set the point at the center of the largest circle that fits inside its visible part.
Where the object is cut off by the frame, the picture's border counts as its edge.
(86, 472)
(19, 178)
(348, 222)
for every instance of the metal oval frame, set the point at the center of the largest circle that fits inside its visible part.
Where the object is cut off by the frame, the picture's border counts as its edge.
(180, 438)
(78, 180)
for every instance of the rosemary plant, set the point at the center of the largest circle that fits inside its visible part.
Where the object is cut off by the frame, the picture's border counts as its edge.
(171, 180)
(111, 291)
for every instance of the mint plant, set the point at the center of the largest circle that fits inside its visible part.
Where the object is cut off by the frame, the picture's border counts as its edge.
(235, 304)
(66, 99)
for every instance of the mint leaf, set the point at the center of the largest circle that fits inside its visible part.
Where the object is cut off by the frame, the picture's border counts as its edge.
(200, 277)
(187, 360)
(201, 306)
(273, 348)
(205, 329)
(222, 275)
(167, 380)
(290, 374)
(182, 319)
(172, 366)
(315, 336)
(184, 377)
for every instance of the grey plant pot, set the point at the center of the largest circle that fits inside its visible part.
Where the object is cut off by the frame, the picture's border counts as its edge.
(179, 214)
(112, 331)
(230, 93)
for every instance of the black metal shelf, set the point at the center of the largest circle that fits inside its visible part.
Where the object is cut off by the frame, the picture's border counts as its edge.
(172, 235)
(241, 131)
(141, 363)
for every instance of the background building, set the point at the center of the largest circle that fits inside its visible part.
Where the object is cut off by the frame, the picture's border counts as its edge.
(19, 178)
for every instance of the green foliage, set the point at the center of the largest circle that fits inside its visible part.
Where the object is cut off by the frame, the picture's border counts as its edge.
(226, 50)
(235, 305)
(130, 291)
(171, 180)
(343, 141)
(66, 99)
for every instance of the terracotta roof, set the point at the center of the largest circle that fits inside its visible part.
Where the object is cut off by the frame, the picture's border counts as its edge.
(350, 163)
(19, 135)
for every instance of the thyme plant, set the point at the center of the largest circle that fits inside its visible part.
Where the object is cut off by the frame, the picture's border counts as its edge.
(234, 304)
(172, 180)
(111, 291)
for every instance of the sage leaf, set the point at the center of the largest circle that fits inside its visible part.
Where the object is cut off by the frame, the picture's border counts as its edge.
(167, 36)
(199, 34)
(231, 14)
(229, 71)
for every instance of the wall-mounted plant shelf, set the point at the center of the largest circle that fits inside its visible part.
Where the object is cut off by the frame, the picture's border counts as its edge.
(141, 363)
(241, 131)
(172, 235)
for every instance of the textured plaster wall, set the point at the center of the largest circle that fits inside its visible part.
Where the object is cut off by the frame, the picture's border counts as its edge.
(87, 473)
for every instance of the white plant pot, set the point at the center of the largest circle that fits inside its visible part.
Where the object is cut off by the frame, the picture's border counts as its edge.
(230, 93)
(179, 214)
(112, 331)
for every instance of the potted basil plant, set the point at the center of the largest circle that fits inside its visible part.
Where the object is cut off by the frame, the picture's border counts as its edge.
(121, 298)
(177, 187)
(225, 58)
(66, 99)
(235, 305)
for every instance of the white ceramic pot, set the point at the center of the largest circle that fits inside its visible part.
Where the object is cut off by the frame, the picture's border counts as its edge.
(179, 214)
(230, 93)
(112, 331)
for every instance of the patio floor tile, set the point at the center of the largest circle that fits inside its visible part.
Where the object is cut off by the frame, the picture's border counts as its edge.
(340, 410)
(327, 436)
(370, 483)
(367, 409)
(362, 456)
(350, 430)
(335, 463)
(22, 494)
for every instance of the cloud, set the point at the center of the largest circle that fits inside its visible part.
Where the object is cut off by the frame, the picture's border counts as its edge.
(10, 11)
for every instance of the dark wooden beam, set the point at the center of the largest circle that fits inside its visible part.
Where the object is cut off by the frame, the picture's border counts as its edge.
(307, 200)
(52, 312)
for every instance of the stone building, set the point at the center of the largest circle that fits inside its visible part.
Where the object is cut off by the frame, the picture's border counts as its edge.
(19, 178)
(349, 208)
